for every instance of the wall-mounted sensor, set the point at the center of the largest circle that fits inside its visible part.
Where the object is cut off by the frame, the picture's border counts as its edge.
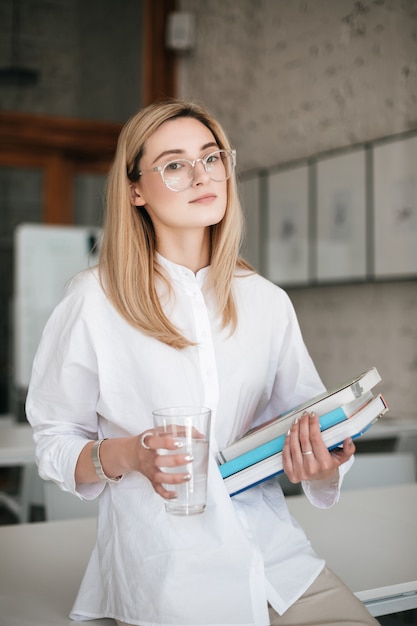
(180, 31)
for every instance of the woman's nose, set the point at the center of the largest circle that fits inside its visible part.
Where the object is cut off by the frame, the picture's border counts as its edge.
(200, 173)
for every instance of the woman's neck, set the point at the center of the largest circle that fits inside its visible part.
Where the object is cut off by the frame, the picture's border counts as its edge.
(188, 249)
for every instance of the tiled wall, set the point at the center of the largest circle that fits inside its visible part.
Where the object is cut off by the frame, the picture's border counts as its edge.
(294, 79)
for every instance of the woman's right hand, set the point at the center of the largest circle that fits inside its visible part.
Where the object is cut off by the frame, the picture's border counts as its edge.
(153, 452)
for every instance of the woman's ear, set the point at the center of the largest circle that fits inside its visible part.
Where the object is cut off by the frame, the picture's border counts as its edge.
(135, 196)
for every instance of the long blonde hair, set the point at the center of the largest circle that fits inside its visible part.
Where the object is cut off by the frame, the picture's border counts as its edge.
(127, 265)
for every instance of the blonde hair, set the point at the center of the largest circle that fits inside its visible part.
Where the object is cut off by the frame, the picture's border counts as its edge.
(127, 265)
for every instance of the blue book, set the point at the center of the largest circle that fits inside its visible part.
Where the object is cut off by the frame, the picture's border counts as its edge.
(322, 404)
(333, 436)
(272, 447)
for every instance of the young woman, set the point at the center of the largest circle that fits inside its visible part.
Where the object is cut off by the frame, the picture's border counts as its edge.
(172, 316)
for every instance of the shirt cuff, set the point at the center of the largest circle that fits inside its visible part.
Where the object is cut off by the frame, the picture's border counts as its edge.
(325, 493)
(89, 491)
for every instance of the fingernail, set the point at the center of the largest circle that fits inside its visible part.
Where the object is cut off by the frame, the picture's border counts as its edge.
(295, 421)
(179, 444)
(288, 433)
(186, 477)
(313, 414)
(189, 458)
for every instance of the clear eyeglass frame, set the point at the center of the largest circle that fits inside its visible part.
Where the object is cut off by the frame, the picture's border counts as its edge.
(228, 158)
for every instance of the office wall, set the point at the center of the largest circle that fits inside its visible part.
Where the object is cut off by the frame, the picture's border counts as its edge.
(293, 79)
(290, 79)
(87, 55)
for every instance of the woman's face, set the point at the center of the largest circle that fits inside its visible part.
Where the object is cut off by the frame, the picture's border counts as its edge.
(197, 207)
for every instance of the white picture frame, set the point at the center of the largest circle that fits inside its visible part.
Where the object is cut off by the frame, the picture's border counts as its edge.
(395, 208)
(341, 219)
(287, 228)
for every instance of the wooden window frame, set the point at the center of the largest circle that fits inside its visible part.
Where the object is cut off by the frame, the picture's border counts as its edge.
(160, 64)
(63, 147)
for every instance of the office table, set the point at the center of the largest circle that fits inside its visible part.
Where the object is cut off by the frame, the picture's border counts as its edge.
(41, 569)
(17, 449)
(369, 539)
(16, 443)
(390, 427)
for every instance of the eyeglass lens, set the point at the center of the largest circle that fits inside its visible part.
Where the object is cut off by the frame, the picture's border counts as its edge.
(178, 175)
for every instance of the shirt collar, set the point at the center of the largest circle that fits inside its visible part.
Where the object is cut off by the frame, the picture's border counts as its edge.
(182, 273)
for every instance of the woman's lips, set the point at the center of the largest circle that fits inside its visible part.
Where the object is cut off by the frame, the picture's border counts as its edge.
(205, 199)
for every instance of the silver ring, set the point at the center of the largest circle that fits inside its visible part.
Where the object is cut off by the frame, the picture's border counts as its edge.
(308, 452)
(143, 439)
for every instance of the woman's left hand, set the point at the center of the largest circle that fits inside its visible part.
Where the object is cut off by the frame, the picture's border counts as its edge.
(305, 455)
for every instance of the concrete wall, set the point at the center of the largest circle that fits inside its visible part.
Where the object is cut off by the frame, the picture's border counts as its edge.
(290, 79)
(293, 79)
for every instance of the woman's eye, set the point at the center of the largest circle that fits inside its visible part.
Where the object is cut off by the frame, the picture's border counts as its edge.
(212, 158)
(173, 166)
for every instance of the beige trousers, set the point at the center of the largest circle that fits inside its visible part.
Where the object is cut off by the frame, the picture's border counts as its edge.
(328, 602)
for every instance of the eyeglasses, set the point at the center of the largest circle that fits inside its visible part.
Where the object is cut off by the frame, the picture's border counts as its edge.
(179, 175)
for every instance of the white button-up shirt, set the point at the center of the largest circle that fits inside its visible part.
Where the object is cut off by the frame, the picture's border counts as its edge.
(96, 376)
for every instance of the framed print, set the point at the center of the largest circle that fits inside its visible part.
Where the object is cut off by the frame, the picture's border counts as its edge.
(395, 208)
(250, 198)
(287, 228)
(341, 237)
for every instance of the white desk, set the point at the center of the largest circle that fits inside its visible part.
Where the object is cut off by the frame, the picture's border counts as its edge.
(16, 443)
(390, 427)
(41, 569)
(369, 538)
(42, 564)
(17, 449)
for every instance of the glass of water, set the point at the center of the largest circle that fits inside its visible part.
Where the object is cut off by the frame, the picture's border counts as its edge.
(190, 426)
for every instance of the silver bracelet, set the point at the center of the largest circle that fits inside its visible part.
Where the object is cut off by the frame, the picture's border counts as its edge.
(95, 456)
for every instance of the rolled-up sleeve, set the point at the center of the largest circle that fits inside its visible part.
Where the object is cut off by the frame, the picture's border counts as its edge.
(62, 396)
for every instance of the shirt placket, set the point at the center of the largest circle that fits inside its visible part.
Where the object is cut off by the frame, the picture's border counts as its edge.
(204, 344)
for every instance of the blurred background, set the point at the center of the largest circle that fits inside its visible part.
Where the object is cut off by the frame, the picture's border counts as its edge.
(290, 81)
(319, 97)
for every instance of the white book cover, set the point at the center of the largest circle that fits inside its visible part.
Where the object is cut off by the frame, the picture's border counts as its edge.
(323, 403)
(332, 437)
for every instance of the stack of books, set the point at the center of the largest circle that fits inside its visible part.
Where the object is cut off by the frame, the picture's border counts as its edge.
(349, 410)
